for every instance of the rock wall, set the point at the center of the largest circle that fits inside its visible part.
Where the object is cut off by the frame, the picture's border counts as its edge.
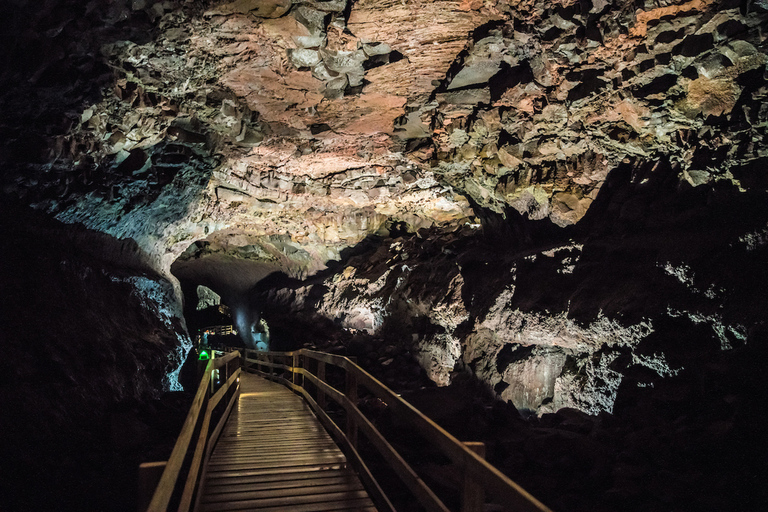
(563, 199)
(285, 133)
(90, 337)
(552, 322)
(299, 128)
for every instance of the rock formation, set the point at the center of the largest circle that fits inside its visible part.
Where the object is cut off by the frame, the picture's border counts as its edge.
(564, 200)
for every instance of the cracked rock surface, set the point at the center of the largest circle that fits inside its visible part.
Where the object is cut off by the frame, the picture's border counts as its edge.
(563, 201)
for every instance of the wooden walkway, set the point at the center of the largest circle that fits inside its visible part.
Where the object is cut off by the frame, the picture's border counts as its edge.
(273, 455)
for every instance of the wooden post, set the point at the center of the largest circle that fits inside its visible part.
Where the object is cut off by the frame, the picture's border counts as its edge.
(352, 396)
(294, 365)
(210, 362)
(300, 363)
(321, 376)
(472, 495)
(149, 477)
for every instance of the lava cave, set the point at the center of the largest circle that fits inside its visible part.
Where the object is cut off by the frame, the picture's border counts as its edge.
(542, 223)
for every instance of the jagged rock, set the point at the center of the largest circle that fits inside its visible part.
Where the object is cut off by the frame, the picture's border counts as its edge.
(207, 298)
(260, 8)
(257, 137)
(303, 58)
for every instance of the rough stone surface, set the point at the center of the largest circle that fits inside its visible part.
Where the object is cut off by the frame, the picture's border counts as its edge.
(561, 200)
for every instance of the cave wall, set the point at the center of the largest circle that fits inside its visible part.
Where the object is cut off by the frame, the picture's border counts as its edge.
(561, 321)
(563, 199)
(286, 132)
(89, 334)
(237, 139)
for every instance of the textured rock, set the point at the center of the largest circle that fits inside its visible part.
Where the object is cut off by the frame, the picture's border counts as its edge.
(516, 112)
(207, 298)
(259, 8)
(560, 199)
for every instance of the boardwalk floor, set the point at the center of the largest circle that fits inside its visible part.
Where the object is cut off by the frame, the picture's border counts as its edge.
(273, 455)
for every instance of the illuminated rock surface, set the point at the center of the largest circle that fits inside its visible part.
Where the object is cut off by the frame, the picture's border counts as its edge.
(562, 202)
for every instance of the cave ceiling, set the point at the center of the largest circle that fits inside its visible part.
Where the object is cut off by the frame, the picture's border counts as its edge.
(286, 131)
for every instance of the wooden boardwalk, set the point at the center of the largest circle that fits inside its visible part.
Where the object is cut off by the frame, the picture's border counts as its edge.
(273, 455)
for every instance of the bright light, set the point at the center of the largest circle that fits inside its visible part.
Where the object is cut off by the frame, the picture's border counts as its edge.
(204, 356)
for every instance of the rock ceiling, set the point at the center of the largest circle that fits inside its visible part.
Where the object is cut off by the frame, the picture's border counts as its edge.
(565, 199)
(298, 128)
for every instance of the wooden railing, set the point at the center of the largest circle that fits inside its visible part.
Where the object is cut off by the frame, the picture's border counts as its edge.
(177, 486)
(479, 479)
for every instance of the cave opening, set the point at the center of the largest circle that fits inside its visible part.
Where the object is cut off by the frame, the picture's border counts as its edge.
(217, 303)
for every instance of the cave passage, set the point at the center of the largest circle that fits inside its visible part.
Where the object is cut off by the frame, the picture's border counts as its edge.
(216, 290)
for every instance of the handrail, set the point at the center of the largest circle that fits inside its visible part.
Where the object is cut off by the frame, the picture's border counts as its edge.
(479, 477)
(213, 388)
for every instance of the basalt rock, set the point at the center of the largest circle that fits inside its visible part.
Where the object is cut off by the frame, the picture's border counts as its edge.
(550, 324)
(281, 134)
(561, 199)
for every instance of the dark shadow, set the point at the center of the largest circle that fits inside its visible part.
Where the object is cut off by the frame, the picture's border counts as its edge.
(87, 361)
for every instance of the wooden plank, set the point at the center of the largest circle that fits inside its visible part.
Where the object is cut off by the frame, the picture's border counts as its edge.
(267, 417)
(238, 453)
(283, 492)
(264, 440)
(317, 445)
(287, 501)
(275, 468)
(285, 422)
(265, 455)
(274, 428)
(358, 505)
(320, 443)
(277, 458)
(223, 479)
(320, 438)
(248, 446)
(258, 462)
(274, 471)
(316, 456)
(271, 434)
(227, 487)
(223, 472)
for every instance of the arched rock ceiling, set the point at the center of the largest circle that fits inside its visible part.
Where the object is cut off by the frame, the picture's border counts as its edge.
(297, 128)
